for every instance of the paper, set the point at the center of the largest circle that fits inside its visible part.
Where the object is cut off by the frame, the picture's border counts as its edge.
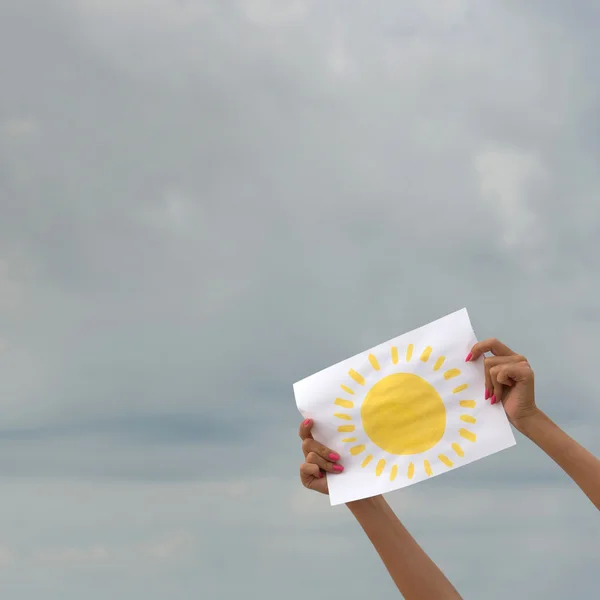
(404, 411)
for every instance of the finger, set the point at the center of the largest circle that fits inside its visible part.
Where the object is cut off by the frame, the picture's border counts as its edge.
(305, 427)
(510, 374)
(492, 345)
(496, 385)
(308, 473)
(311, 445)
(315, 459)
(494, 361)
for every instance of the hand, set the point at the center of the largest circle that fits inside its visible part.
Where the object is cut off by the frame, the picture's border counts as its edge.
(318, 460)
(508, 379)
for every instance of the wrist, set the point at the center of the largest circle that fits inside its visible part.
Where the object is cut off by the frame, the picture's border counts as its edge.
(366, 504)
(530, 421)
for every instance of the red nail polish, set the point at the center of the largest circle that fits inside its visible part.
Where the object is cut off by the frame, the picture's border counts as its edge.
(338, 468)
(320, 475)
(307, 422)
(494, 399)
(469, 357)
(333, 456)
(487, 394)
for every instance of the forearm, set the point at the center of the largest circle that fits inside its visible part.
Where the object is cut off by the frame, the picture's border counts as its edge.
(582, 466)
(415, 574)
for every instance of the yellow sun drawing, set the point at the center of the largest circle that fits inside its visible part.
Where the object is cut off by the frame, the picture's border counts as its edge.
(403, 414)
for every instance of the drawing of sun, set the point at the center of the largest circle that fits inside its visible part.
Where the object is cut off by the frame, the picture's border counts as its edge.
(405, 414)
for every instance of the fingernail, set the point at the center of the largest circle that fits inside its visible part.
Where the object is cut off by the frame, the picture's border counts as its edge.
(469, 357)
(494, 399)
(333, 456)
(320, 475)
(307, 422)
(487, 394)
(338, 468)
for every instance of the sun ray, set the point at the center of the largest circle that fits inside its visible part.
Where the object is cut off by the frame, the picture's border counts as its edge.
(373, 361)
(344, 403)
(367, 461)
(446, 460)
(411, 471)
(357, 377)
(451, 373)
(348, 440)
(343, 416)
(357, 450)
(460, 388)
(409, 352)
(468, 419)
(468, 435)
(347, 389)
(395, 355)
(346, 428)
(380, 467)
(426, 353)
(468, 403)
(439, 362)
(394, 472)
(458, 449)
(427, 468)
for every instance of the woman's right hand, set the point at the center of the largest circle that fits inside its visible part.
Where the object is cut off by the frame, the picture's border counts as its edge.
(318, 459)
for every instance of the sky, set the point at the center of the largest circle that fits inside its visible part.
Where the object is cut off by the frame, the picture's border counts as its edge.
(202, 202)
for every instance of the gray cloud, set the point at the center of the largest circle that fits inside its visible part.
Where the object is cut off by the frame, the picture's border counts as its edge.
(201, 203)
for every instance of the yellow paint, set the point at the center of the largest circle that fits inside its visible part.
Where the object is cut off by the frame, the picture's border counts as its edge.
(343, 416)
(458, 449)
(395, 355)
(439, 362)
(409, 352)
(446, 460)
(468, 435)
(411, 471)
(403, 414)
(427, 468)
(357, 449)
(468, 403)
(468, 419)
(357, 377)
(348, 440)
(346, 428)
(380, 467)
(460, 388)
(347, 390)
(373, 361)
(426, 353)
(394, 472)
(344, 403)
(451, 373)
(367, 461)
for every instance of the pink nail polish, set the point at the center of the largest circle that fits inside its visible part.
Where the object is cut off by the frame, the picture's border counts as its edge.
(320, 475)
(333, 456)
(487, 394)
(338, 468)
(307, 422)
(469, 357)
(494, 399)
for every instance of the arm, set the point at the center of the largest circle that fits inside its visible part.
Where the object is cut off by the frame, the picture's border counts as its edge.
(509, 379)
(414, 573)
(579, 464)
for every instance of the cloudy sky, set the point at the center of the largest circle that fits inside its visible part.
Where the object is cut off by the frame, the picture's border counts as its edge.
(204, 201)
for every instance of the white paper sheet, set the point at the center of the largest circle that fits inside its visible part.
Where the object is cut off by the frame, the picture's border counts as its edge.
(404, 411)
